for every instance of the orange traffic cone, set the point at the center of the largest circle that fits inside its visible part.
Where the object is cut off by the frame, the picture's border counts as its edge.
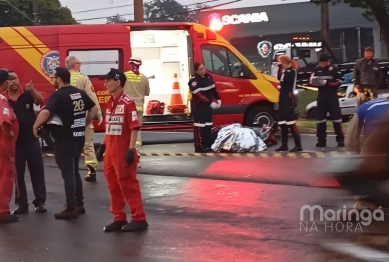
(176, 104)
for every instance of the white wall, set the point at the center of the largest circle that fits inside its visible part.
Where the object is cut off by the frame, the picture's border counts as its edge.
(163, 54)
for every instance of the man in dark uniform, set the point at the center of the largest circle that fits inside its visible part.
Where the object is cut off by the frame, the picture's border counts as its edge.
(367, 77)
(28, 148)
(329, 78)
(71, 105)
(203, 90)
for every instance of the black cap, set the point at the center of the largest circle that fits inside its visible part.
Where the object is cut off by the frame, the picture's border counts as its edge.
(369, 49)
(116, 74)
(4, 76)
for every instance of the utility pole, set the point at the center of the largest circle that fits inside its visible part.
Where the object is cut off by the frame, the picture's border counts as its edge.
(325, 25)
(138, 11)
(35, 10)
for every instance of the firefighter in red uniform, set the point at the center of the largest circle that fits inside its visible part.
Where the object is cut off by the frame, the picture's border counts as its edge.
(8, 135)
(121, 158)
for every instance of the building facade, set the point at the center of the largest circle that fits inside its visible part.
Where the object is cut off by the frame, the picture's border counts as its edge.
(277, 25)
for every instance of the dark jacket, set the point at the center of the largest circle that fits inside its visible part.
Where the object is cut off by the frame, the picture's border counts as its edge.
(203, 89)
(367, 73)
(334, 77)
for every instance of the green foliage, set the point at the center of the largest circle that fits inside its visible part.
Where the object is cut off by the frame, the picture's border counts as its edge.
(365, 4)
(117, 19)
(50, 12)
(170, 11)
(375, 10)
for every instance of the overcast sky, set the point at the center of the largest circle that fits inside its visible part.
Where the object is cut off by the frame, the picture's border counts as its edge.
(95, 11)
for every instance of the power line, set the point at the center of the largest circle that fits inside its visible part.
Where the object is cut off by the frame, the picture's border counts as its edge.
(91, 10)
(94, 3)
(113, 7)
(103, 5)
(182, 13)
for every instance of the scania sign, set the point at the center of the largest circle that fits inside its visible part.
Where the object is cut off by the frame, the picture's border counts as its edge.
(244, 18)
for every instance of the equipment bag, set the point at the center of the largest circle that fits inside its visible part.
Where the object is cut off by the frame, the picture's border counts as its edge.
(155, 107)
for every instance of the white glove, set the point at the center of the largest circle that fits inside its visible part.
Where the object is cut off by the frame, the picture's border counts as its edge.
(214, 105)
(219, 102)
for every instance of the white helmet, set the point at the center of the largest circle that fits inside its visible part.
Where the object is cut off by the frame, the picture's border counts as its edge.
(136, 60)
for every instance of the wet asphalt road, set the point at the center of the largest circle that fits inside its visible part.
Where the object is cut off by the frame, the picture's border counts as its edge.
(153, 138)
(191, 220)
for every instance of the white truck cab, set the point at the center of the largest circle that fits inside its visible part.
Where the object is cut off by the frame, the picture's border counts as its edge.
(306, 55)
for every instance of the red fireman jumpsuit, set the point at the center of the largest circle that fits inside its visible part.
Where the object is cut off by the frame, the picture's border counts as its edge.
(7, 156)
(121, 119)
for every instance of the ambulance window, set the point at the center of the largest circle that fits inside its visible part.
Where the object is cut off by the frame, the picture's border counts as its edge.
(220, 60)
(97, 62)
(215, 60)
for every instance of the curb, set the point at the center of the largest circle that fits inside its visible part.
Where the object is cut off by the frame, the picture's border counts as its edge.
(239, 155)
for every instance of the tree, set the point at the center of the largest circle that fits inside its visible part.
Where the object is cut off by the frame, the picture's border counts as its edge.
(169, 11)
(375, 10)
(116, 19)
(50, 12)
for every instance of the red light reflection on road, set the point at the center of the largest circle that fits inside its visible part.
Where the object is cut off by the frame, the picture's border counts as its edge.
(288, 170)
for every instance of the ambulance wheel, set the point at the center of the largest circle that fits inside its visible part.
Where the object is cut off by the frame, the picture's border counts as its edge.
(258, 116)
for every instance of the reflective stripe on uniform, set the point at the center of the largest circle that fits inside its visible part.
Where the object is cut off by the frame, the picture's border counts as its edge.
(203, 125)
(139, 108)
(132, 77)
(326, 77)
(92, 163)
(286, 122)
(203, 89)
(74, 76)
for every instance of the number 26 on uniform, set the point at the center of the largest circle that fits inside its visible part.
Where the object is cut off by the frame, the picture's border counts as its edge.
(78, 105)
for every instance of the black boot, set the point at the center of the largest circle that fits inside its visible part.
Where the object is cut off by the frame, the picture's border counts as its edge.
(134, 226)
(40, 208)
(339, 134)
(297, 139)
(9, 219)
(21, 209)
(284, 139)
(321, 134)
(115, 226)
(91, 176)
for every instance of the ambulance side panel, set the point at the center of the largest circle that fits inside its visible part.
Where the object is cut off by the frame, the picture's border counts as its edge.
(241, 87)
(98, 49)
(32, 52)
